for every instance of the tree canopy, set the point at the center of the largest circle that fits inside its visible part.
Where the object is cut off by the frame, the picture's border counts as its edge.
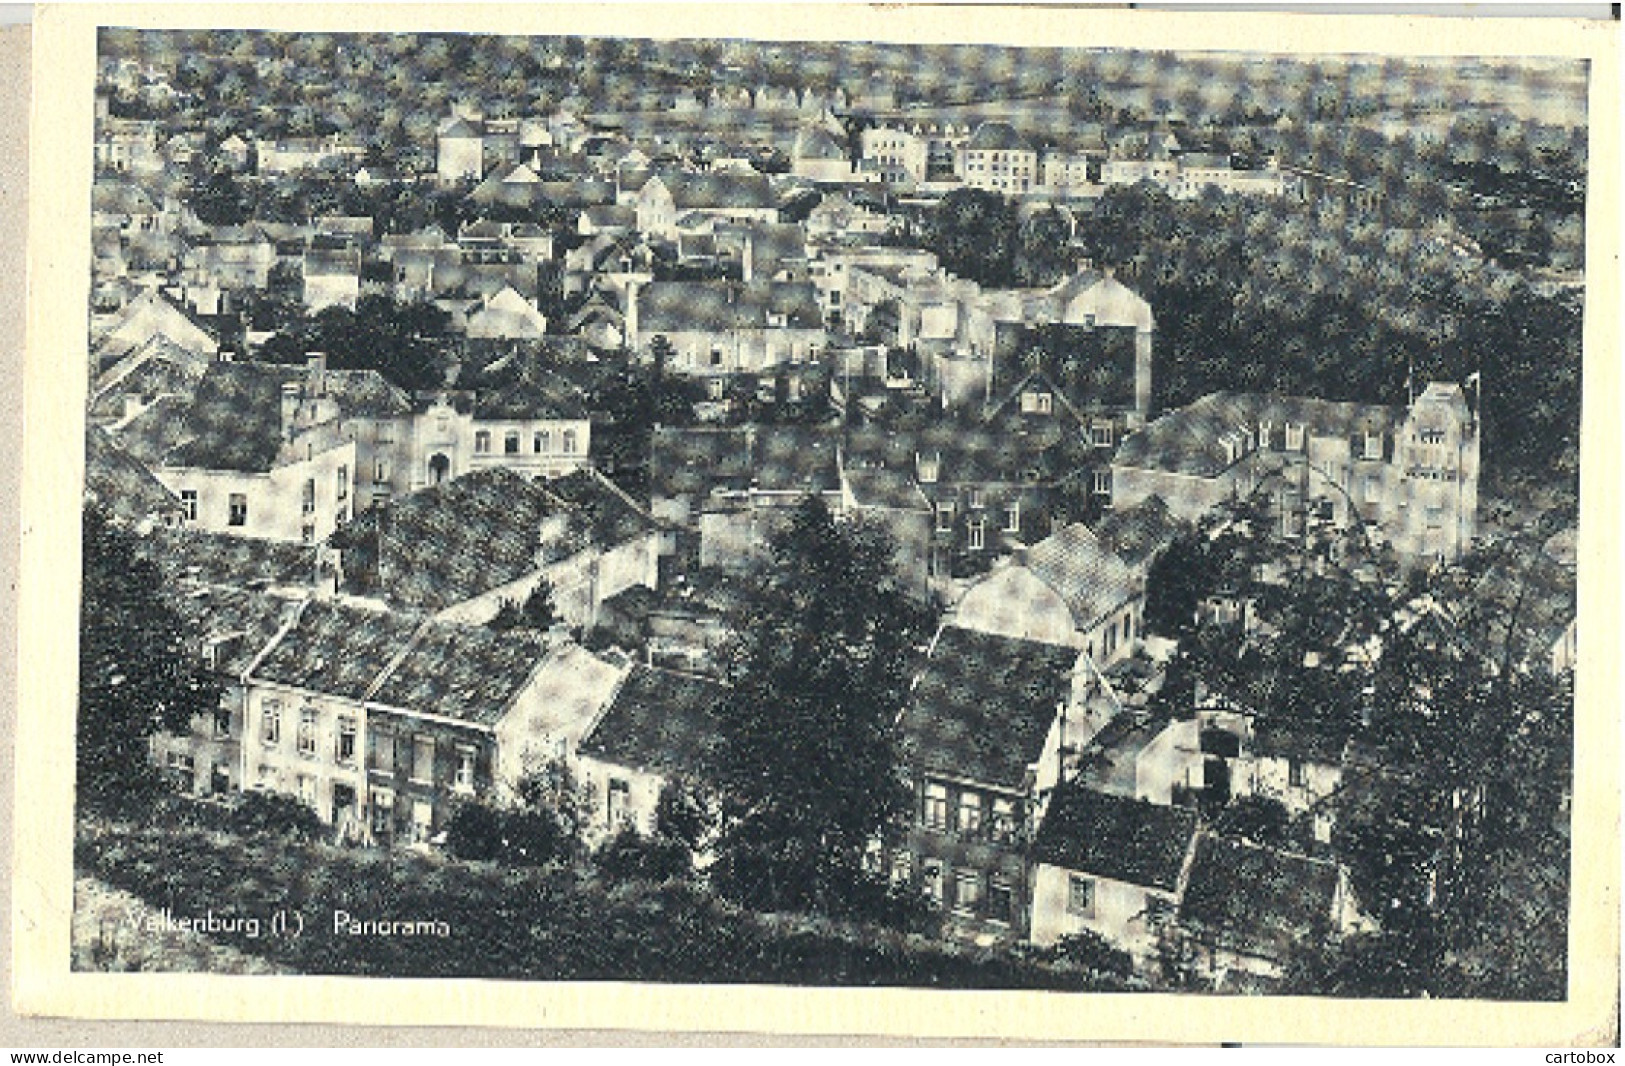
(818, 678)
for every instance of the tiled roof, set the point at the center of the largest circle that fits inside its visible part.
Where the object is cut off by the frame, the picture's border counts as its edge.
(121, 482)
(1297, 741)
(223, 559)
(684, 462)
(615, 518)
(465, 672)
(977, 455)
(156, 430)
(1088, 578)
(1122, 839)
(337, 649)
(1188, 441)
(997, 137)
(239, 623)
(796, 459)
(708, 306)
(332, 262)
(719, 190)
(1257, 899)
(1136, 533)
(525, 390)
(658, 720)
(235, 421)
(817, 143)
(983, 706)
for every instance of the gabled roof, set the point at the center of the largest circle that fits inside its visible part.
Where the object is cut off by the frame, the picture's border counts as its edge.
(882, 487)
(1114, 837)
(997, 137)
(469, 673)
(984, 705)
(459, 129)
(815, 142)
(686, 462)
(121, 482)
(337, 649)
(1090, 580)
(1256, 899)
(658, 720)
(1296, 741)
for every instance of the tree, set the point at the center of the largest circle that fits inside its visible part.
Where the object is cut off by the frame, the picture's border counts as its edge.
(974, 234)
(806, 756)
(138, 673)
(1043, 254)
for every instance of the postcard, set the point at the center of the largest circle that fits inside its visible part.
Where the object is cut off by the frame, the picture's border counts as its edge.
(910, 521)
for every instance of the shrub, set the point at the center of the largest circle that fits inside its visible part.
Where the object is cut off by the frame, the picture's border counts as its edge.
(274, 814)
(631, 856)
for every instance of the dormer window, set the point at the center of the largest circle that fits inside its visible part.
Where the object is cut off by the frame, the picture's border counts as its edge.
(1294, 437)
(926, 468)
(1036, 403)
(1373, 445)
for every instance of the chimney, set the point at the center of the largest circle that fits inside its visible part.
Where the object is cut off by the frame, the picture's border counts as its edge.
(290, 408)
(630, 319)
(316, 371)
(746, 257)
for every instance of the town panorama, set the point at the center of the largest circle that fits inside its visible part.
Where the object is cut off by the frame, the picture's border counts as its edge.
(830, 514)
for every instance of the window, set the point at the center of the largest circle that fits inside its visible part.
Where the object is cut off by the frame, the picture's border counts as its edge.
(380, 749)
(423, 759)
(902, 867)
(422, 819)
(1128, 628)
(341, 483)
(1294, 773)
(464, 781)
(936, 805)
(945, 517)
(1036, 403)
(1012, 518)
(976, 497)
(1373, 445)
(222, 722)
(1294, 437)
(931, 875)
(307, 732)
(510, 442)
(713, 388)
(569, 442)
(539, 442)
(271, 722)
(307, 497)
(307, 789)
(1373, 489)
(978, 535)
(970, 813)
(1004, 820)
(189, 504)
(482, 442)
(237, 510)
(716, 356)
(1434, 516)
(620, 801)
(344, 744)
(383, 812)
(1080, 896)
(1103, 482)
(380, 472)
(1001, 899)
(1101, 435)
(967, 891)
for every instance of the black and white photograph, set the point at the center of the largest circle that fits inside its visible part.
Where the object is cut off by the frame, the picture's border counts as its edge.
(736, 510)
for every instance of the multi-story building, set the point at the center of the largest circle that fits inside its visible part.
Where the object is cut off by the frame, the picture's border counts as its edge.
(999, 159)
(1409, 474)
(894, 156)
(717, 329)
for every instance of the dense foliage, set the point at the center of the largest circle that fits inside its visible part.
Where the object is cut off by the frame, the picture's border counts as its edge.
(818, 678)
(559, 923)
(139, 670)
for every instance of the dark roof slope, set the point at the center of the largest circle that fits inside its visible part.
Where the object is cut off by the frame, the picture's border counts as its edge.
(1297, 741)
(658, 720)
(1127, 840)
(464, 672)
(235, 421)
(223, 559)
(983, 706)
(1188, 441)
(719, 190)
(1256, 899)
(685, 462)
(337, 649)
(239, 623)
(1136, 533)
(121, 482)
(710, 306)
(997, 137)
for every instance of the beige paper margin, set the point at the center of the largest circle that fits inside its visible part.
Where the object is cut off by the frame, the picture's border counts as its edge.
(64, 51)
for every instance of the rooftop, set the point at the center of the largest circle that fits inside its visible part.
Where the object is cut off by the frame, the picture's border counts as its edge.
(983, 706)
(1126, 840)
(1089, 578)
(658, 720)
(707, 306)
(337, 649)
(223, 559)
(1256, 899)
(465, 672)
